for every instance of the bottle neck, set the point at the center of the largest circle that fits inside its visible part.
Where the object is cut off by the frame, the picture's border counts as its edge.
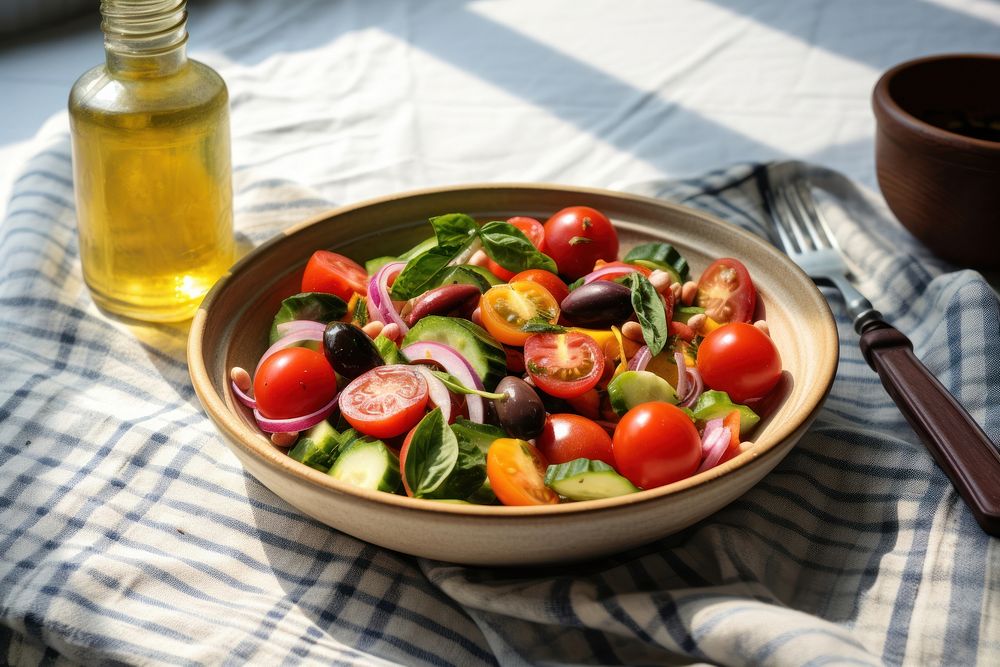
(144, 37)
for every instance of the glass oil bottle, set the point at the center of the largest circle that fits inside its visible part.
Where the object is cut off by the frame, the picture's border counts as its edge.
(151, 166)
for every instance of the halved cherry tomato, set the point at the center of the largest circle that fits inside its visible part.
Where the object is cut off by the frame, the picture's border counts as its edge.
(655, 443)
(550, 281)
(564, 364)
(386, 401)
(506, 309)
(516, 471)
(535, 233)
(578, 236)
(566, 437)
(293, 382)
(726, 291)
(334, 274)
(741, 360)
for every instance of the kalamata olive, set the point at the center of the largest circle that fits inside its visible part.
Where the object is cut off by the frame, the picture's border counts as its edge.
(598, 304)
(520, 411)
(442, 301)
(349, 350)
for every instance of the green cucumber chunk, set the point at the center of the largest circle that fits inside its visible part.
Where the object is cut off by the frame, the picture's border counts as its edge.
(658, 255)
(318, 446)
(461, 275)
(368, 464)
(483, 273)
(479, 348)
(634, 387)
(584, 479)
(717, 404)
(388, 351)
(685, 313)
(315, 306)
(373, 265)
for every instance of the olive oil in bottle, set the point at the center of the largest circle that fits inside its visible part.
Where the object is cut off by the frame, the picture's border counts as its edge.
(151, 166)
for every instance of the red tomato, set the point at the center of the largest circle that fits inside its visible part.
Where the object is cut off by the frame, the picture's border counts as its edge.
(578, 236)
(516, 471)
(294, 382)
(535, 233)
(566, 437)
(741, 360)
(386, 401)
(550, 281)
(564, 364)
(334, 274)
(655, 443)
(726, 291)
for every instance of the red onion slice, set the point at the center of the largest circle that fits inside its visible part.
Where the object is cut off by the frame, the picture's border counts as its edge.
(641, 359)
(295, 424)
(608, 272)
(439, 394)
(695, 390)
(243, 397)
(455, 364)
(382, 300)
(288, 341)
(715, 441)
(298, 326)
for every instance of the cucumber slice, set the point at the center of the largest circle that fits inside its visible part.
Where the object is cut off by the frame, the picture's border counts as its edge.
(318, 447)
(461, 275)
(685, 313)
(483, 273)
(368, 464)
(661, 256)
(584, 479)
(470, 340)
(717, 404)
(480, 435)
(373, 265)
(634, 387)
(316, 306)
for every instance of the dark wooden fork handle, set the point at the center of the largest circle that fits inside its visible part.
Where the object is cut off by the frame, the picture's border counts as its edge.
(959, 446)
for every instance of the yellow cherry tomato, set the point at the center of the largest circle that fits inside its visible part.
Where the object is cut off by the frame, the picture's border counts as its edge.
(507, 309)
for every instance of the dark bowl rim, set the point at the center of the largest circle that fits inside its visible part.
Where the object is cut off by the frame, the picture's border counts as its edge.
(900, 123)
(219, 413)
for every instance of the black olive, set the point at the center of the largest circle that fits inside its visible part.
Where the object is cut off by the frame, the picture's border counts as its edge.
(599, 304)
(349, 350)
(521, 412)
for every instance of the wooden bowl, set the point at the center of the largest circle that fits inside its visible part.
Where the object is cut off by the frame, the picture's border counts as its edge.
(937, 157)
(231, 328)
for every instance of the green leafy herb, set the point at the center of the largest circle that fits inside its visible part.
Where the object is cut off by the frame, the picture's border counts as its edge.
(649, 311)
(454, 231)
(542, 325)
(510, 248)
(441, 465)
(315, 306)
(457, 387)
(421, 273)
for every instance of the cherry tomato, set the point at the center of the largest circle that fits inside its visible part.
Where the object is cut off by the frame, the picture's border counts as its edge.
(564, 364)
(739, 359)
(726, 291)
(535, 233)
(334, 274)
(386, 401)
(294, 382)
(516, 471)
(506, 309)
(655, 443)
(578, 236)
(550, 281)
(566, 437)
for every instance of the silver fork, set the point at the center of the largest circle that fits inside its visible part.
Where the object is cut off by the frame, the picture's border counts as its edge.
(959, 446)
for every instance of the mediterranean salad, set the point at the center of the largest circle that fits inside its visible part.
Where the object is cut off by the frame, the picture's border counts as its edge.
(514, 362)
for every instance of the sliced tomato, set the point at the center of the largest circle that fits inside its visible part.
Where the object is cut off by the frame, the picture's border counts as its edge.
(564, 364)
(726, 291)
(334, 274)
(535, 233)
(516, 471)
(550, 281)
(506, 309)
(386, 401)
(293, 382)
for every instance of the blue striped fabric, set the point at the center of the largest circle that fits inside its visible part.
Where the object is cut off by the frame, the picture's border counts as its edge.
(128, 533)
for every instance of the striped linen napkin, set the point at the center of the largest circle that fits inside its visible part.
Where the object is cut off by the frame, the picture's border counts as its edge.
(130, 534)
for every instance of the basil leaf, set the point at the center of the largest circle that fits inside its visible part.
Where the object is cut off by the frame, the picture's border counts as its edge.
(454, 230)
(315, 306)
(510, 248)
(649, 311)
(456, 387)
(421, 273)
(431, 456)
(541, 325)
